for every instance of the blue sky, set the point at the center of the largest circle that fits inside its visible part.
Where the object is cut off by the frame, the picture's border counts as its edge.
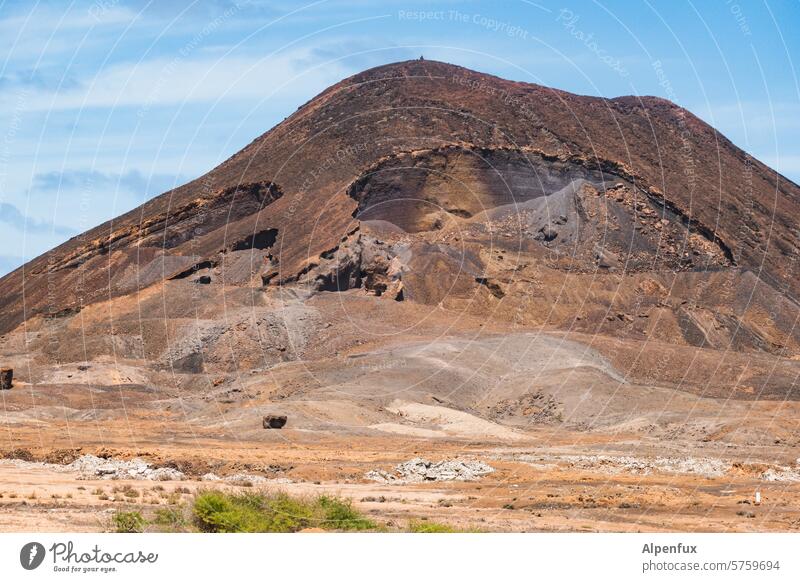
(105, 104)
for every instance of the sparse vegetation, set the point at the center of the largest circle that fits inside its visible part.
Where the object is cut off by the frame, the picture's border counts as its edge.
(340, 514)
(172, 518)
(128, 522)
(217, 511)
(126, 491)
(425, 526)
(430, 527)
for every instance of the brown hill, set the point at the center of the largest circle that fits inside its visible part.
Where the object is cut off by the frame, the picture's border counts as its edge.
(593, 296)
(441, 185)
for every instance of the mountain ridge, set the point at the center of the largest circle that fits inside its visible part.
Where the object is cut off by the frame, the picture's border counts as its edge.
(315, 155)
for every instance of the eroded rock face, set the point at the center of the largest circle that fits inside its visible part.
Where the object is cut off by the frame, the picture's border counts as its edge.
(427, 190)
(262, 240)
(361, 262)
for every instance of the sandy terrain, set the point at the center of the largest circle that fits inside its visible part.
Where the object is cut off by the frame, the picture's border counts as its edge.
(531, 490)
(578, 443)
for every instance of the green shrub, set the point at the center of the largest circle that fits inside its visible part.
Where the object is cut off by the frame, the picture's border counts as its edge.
(339, 514)
(217, 511)
(171, 517)
(128, 522)
(285, 513)
(214, 511)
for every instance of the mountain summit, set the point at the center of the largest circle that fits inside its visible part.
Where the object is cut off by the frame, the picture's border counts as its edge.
(429, 183)
(427, 274)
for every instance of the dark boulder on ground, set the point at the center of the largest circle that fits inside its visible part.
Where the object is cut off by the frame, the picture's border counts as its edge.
(6, 378)
(274, 421)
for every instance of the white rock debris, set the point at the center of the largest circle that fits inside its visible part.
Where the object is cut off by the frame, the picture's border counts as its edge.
(612, 464)
(419, 470)
(242, 478)
(91, 467)
(782, 474)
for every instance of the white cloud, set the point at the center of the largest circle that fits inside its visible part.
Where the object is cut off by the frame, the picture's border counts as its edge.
(11, 216)
(47, 19)
(159, 82)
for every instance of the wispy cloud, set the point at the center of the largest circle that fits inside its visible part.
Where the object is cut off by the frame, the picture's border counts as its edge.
(48, 18)
(39, 80)
(132, 181)
(355, 54)
(164, 81)
(11, 215)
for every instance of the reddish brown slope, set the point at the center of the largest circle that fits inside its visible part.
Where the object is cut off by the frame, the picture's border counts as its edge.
(295, 177)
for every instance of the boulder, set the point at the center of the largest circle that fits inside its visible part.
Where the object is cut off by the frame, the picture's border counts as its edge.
(274, 421)
(6, 378)
(547, 233)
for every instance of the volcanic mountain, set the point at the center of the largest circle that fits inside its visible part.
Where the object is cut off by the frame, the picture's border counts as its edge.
(426, 196)
(595, 297)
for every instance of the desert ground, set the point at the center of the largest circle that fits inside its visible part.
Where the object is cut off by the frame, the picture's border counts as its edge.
(576, 442)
